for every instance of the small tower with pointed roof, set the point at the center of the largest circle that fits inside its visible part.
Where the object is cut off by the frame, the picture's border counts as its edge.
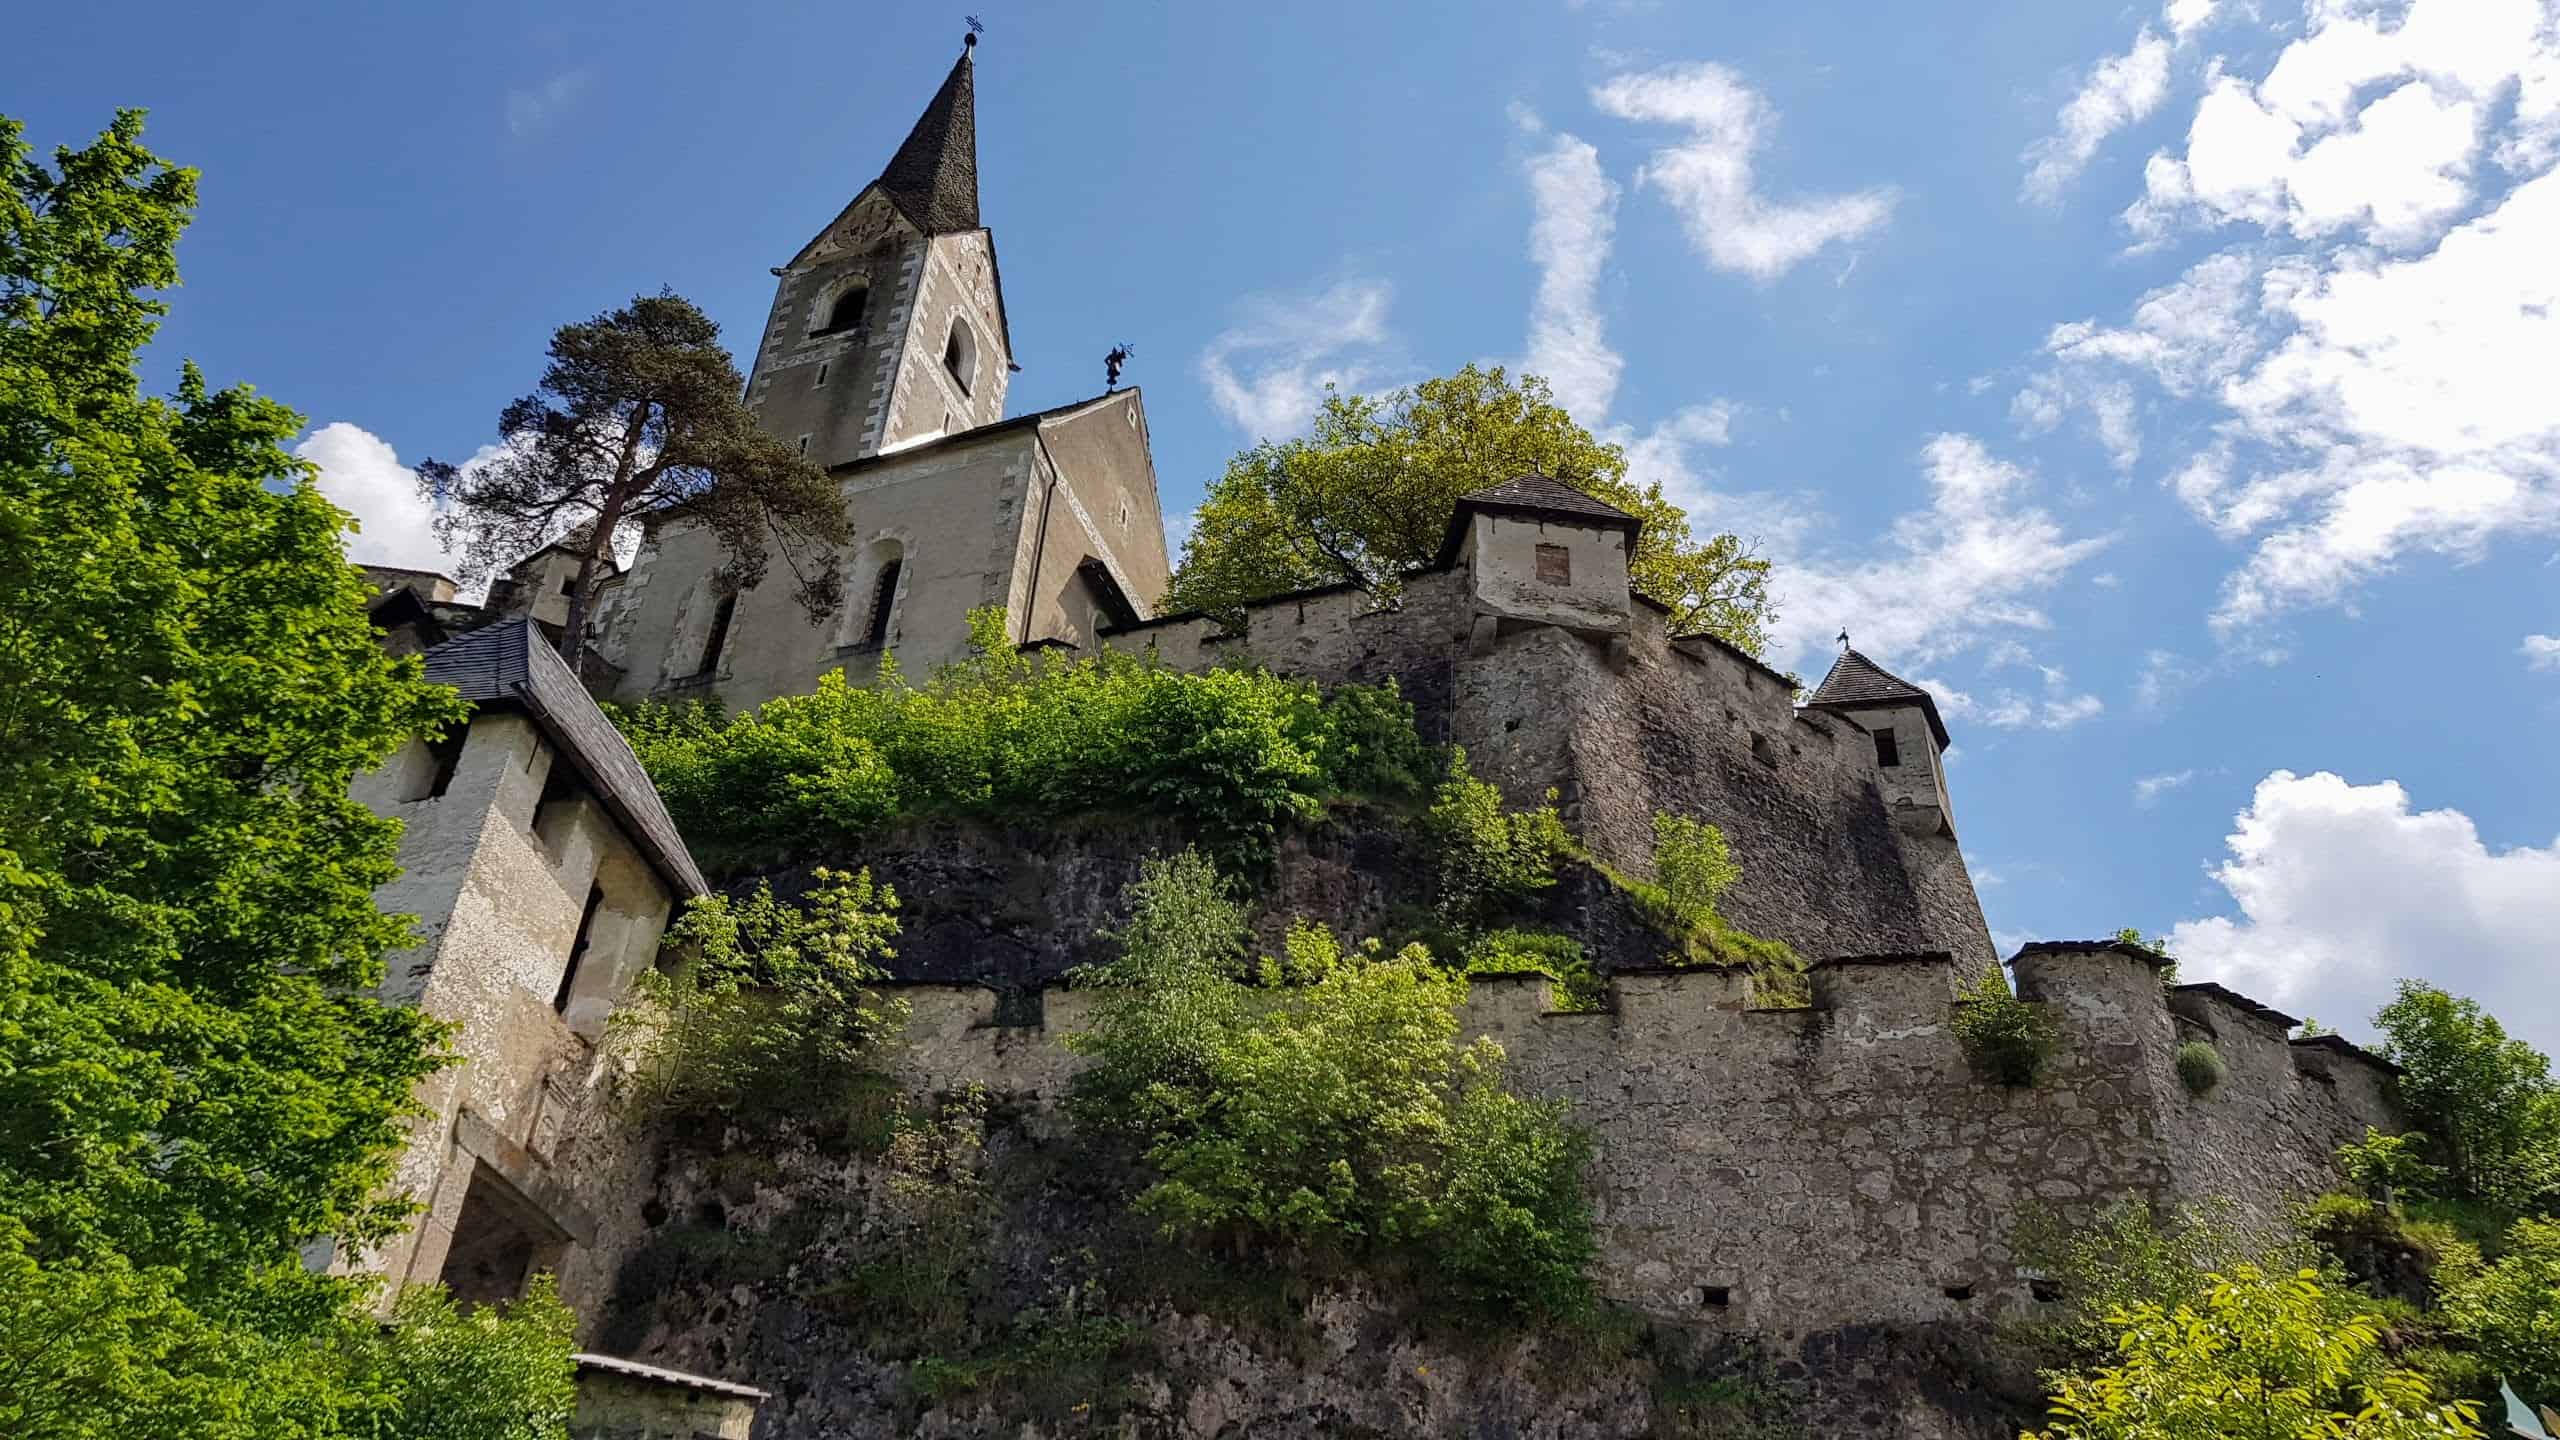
(1910, 740)
(889, 327)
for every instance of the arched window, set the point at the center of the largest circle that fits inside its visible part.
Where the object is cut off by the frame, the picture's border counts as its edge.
(884, 598)
(960, 354)
(846, 312)
(718, 639)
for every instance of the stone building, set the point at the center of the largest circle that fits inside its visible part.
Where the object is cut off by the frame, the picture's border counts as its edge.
(886, 357)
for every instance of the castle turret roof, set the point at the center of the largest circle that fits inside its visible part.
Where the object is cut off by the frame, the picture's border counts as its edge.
(1858, 683)
(933, 179)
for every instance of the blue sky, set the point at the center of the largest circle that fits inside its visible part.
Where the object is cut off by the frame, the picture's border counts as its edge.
(2170, 388)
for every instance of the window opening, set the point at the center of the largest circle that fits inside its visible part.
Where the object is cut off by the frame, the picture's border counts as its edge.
(1555, 565)
(884, 593)
(578, 949)
(1959, 1292)
(804, 444)
(719, 637)
(1888, 749)
(822, 376)
(1716, 1297)
(846, 313)
(444, 757)
(960, 354)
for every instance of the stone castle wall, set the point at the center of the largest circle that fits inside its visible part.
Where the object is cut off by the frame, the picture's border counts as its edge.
(1787, 1171)
(1623, 726)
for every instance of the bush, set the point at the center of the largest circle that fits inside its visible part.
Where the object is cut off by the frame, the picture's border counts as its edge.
(1237, 754)
(1695, 866)
(2389, 1167)
(769, 1009)
(1318, 1102)
(2510, 1309)
(2004, 1038)
(1576, 987)
(2135, 1255)
(2199, 1067)
(2486, 1099)
(1491, 860)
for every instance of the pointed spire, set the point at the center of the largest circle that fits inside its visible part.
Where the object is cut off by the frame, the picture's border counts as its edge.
(1858, 683)
(933, 179)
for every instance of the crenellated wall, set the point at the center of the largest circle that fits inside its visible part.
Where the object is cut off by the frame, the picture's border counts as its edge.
(1795, 1170)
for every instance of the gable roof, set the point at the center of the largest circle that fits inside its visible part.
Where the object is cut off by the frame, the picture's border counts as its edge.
(933, 177)
(1858, 683)
(510, 665)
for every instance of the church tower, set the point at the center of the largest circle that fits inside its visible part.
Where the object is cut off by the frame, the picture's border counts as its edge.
(888, 328)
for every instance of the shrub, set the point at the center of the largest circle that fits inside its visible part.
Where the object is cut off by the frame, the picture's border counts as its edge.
(2135, 1255)
(1318, 1102)
(1491, 860)
(2256, 1354)
(2389, 1167)
(1695, 865)
(770, 1010)
(1577, 987)
(1237, 754)
(2510, 1309)
(2004, 1038)
(2199, 1067)
(438, 1372)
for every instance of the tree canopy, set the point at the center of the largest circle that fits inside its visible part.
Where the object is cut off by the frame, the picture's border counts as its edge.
(196, 1075)
(639, 411)
(1367, 495)
(2486, 1098)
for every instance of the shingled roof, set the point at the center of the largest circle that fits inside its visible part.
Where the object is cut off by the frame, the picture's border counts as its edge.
(510, 665)
(1858, 683)
(1538, 496)
(933, 179)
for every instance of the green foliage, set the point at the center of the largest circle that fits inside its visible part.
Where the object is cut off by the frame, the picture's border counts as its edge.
(1319, 1102)
(2389, 1166)
(1576, 987)
(96, 1349)
(2157, 946)
(768, 1007)
(639, 410)
(2257, 1355)
(2134, 1255)
(2510, 1309)
(1236, 754)
(2199, 1067)
(1368, 493)
(1695, 866)
(2486, 1099)
(1491, 860)
(2004, 1038)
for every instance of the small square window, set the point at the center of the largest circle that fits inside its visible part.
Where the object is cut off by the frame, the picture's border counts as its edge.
(1555, 565)
(1888, 749)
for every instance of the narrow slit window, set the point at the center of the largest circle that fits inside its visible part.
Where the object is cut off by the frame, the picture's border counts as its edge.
(578, 949)
(718, 639)
(804, 444)
(1888, 749)
(960, 355)
(884, 595)
(821, 381)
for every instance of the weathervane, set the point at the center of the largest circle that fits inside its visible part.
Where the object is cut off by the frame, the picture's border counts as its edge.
(1844, 637)
(1121, 354)
(970, 40)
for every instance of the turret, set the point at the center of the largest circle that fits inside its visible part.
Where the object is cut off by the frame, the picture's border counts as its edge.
(1901, 721)
(1541, 552)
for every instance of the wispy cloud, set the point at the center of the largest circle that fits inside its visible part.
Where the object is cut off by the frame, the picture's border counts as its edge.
(1575, 206)
(531, 109)
(1710, 179)
(2541, 652)
(2148, 790)
(1267, 372)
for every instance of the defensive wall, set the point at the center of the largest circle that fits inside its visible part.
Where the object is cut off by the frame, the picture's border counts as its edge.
(1621, 724)
(1789, 1171)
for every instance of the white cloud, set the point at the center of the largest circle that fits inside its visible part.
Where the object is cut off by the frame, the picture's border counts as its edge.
(1576, 208)
(2541, 652)
(2121, 90)
(1177, 530)
(2009, 709)
(360, 474)
(2165, 676)
(1709, 177)
(2343, 889)
(1970, 567)
(2148, 789)
(531, 108)
(1267, 373)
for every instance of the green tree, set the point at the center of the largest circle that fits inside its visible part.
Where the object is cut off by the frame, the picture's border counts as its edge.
(2510, 1309)
(194, 1071)
(2257, 1356)
(1368, 495)
(639, 411)
(2486, 1098)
